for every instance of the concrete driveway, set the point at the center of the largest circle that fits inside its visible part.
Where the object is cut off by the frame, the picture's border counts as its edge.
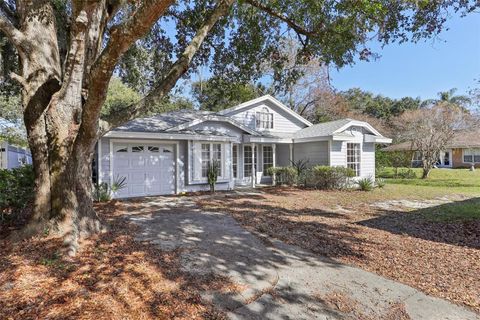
(277, 281)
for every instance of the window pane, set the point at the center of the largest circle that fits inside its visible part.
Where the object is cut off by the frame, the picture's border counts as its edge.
(121, 149)
(153, 149)
(205, 158)
(235, 160)
(247, 154)
(217, 156)
(467, 158)
(353, 157)
(267, 159)
(476, 158)
(137, 149)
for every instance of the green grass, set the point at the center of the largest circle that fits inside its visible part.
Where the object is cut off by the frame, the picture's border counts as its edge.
(458, 181)
(467, 210)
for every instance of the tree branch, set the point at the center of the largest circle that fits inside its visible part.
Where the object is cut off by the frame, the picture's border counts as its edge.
(292, 24)
(13, 34)
(177, 70)
(121, 38)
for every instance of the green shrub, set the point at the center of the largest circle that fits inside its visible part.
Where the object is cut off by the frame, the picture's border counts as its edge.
(284, 175)
(407, 174)
(365, 184)
(212, 174)
(326, 177)
(380, 182)
(16, 189)
(102, 192)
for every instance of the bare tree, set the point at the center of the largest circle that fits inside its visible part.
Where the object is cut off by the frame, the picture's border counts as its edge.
(431, 129)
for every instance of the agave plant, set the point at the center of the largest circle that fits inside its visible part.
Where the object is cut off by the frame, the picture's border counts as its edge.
(212, 174)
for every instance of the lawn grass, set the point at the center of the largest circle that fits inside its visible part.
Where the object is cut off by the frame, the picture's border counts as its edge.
(461, 211)
(456, 181)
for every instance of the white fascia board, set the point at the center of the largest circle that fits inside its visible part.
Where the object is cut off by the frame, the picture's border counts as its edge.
(376, 139)
(271, 99)
(166, 136)
(343, 138)
(313, 139)
(247, 139)
(359, 124)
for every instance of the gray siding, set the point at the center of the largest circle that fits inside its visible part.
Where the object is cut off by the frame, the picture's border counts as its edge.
(315, 152)
(282, 121)
(338, 153)
(283, 155)
(367, 169)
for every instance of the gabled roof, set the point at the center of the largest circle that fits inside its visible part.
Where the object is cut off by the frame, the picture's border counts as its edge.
(266, 97)
(321, 129)
(336, 129)
(178, 122)
(162, 122)
(212, 117)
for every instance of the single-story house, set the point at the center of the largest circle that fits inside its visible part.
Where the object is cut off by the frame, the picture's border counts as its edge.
(12, 156)
(169, 153)
(462, 151)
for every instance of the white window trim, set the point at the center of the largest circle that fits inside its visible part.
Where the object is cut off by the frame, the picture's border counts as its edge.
(244, 162)
(224, 177)
(359, 161)
(235, 163)
(268, 111)
(265, 174)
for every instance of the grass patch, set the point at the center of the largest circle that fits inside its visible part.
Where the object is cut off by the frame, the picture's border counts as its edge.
(463, 211)
(450, 180)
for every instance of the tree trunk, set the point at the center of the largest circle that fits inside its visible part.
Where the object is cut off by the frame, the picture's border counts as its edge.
(426, 172)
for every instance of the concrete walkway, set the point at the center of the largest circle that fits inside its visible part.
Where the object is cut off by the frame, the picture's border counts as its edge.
(278, 281)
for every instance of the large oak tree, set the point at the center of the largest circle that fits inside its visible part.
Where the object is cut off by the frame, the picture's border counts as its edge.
(67, 52)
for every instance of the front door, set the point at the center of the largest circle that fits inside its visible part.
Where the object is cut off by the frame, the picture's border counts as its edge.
(446, 159)
(248, 165)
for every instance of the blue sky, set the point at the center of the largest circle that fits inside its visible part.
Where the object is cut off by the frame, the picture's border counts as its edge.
(420, 69)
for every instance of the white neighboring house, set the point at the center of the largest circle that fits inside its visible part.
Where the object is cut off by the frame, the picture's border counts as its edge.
(13, 156)
(169, 153)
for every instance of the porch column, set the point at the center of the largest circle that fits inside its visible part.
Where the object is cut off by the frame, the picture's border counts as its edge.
(290, 146)
(254, 173)
(274, 163)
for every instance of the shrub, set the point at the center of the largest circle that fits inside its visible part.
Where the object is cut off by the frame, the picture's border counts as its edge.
(326, 177)
(284, 175)
(380, 182)
(102, 192)
(407, 174)
(16, 189)
(365, 184)
(212, 174)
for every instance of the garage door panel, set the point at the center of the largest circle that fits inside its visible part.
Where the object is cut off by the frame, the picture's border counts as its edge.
(148, 171)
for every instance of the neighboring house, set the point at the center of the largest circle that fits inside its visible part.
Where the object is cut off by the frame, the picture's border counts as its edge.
(169, 153)
(12, 156)
(462, 151)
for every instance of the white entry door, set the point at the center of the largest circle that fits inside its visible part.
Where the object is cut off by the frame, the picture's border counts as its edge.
(149, 169)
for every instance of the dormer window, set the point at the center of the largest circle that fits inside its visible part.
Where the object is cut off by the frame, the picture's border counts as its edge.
(264, 119)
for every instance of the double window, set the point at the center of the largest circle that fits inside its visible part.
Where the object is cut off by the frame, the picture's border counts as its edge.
(211, 152)
(264, 119)
(471, 155)
(353, 157)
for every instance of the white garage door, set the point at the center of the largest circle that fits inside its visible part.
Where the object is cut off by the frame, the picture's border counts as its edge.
(149, 169)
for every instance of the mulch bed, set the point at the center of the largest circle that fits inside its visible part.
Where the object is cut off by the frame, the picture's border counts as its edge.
(112, 277)
(441, 259)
